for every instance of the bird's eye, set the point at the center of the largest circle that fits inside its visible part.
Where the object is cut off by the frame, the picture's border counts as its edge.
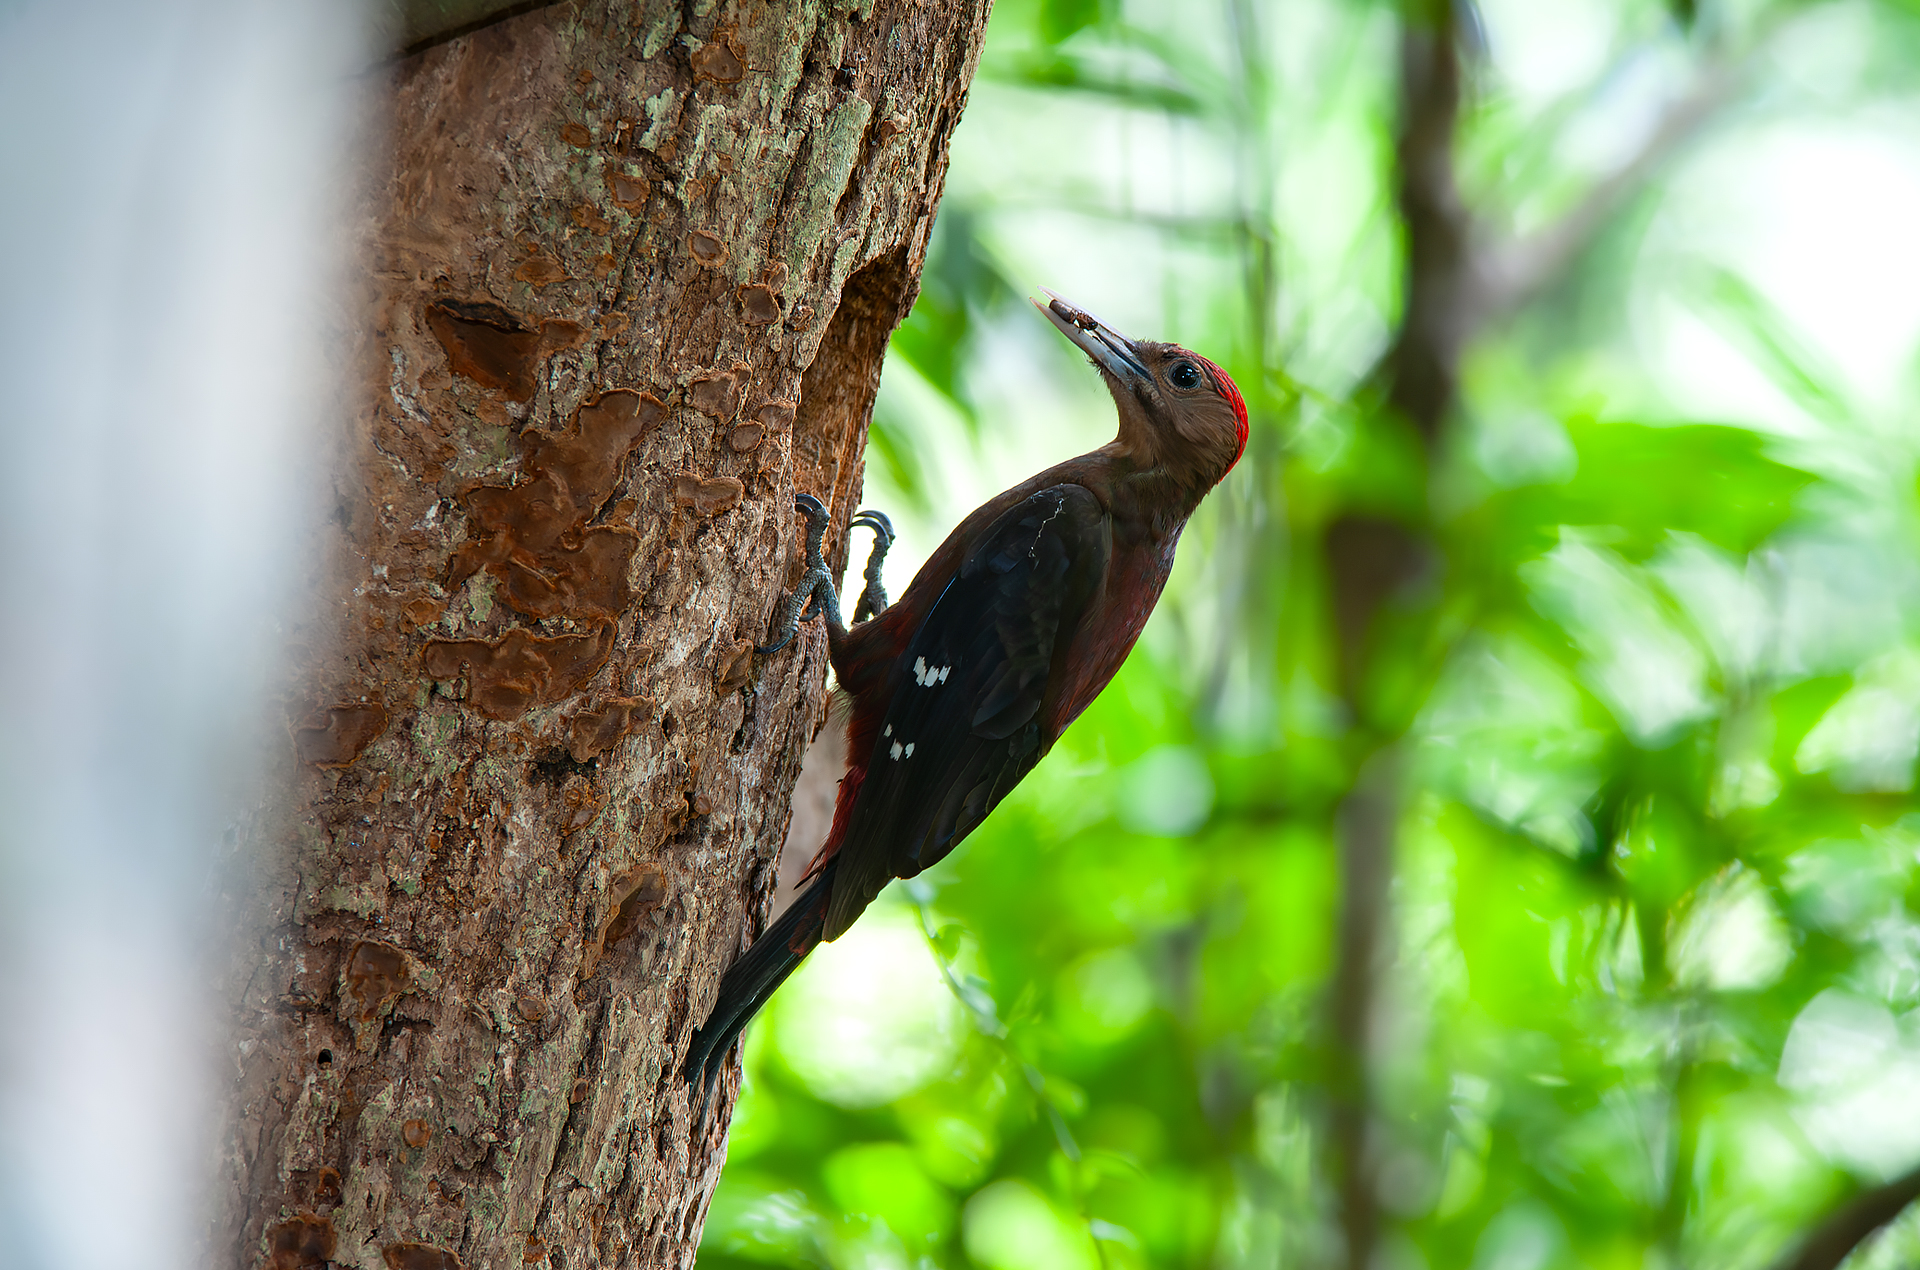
(1184, 375)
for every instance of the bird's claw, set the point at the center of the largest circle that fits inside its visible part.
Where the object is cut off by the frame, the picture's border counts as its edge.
(873, 600)
(815, 594)
(768, 650)
(868, 518)
(805, 604)
(816, 513)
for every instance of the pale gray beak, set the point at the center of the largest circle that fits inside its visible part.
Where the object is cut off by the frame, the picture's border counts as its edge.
(1106, 346)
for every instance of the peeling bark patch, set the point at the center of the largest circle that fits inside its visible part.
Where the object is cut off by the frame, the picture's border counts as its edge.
(534, 536)
(416, 1133)
(734, 666)
(424, 611)
(588, 217)
(594, 732)
(540, 270)
(376, 973)
(636, 895)
(558, 333)
(506, 679)
(723, 60)
(327, 1187)
(580, 804)
(706, 248)
(335, 737)
(758, 307)
(777, 415)
(708, 497)
(576, 134)
(302, 1242)
(630, 192)
(716, 395)
(487, 344)
(410, 1256)
(692, 806)
(746, 437)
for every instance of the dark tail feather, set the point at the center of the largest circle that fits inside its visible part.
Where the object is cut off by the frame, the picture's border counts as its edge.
(750, 981)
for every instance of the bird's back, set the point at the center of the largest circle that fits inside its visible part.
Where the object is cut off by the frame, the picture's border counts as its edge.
(1041, 597)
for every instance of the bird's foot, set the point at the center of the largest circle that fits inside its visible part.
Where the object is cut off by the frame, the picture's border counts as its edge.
(873, 600)
(815, 594)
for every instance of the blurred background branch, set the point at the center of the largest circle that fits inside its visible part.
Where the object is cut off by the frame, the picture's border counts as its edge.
(1441, 307)
(1834, 1239)
(1370, 558)
(1516, 272)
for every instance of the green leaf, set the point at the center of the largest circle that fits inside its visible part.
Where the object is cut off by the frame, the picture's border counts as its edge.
(1061, 18)
(1646, 482)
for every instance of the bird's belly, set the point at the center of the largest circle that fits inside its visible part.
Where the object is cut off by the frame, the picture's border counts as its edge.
(1103, 644)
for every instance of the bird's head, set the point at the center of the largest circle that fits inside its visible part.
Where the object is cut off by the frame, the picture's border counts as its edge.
(1178, 411)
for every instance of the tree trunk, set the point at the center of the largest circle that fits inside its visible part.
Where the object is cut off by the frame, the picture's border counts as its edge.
(628, 280)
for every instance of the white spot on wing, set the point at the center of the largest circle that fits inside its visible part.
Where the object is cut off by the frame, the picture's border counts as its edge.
(944, 672)
(896, 751)
(920, 670)
(888, 731)
(909, 749)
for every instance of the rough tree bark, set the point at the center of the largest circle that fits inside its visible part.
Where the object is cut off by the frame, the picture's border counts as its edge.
(629, 274)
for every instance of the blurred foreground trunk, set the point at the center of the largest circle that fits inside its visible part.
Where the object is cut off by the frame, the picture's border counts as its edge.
(627, 282)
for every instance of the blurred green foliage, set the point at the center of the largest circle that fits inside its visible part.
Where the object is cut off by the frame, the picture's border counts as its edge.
(1653, 991)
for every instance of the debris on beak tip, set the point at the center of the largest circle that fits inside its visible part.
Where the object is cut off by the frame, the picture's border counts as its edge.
(1106, 346)
(1078, 316)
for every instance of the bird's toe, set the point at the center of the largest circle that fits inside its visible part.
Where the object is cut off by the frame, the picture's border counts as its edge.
(876, 521)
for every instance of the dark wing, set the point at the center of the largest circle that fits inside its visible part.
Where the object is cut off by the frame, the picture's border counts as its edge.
(965, 721)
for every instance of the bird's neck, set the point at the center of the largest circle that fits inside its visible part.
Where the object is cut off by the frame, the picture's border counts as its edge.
(1150, 503)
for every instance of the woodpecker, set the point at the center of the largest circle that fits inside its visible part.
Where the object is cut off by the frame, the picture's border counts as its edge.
(1006, 634)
